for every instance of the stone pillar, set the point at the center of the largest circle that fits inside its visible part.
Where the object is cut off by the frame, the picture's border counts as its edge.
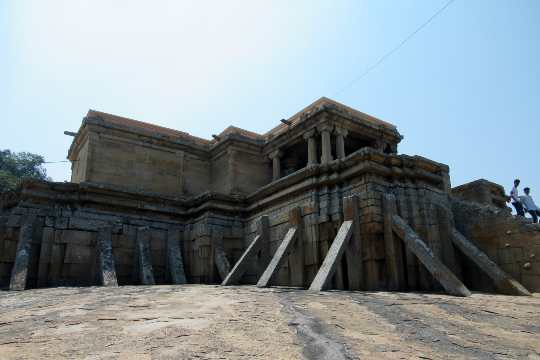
(144, 256)
(220, 257)
(340, 142)
(276, 165)
(174, 256)
(326, 151)
(19, 272)
(312, 147)
(106, 259)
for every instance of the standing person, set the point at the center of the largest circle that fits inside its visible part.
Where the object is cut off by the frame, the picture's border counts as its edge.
(529, 204)
(514, 196)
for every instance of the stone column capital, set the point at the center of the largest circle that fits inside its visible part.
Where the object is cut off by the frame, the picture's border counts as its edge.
(325, 128)
(341, 131)
(275, 154)
(309, 134)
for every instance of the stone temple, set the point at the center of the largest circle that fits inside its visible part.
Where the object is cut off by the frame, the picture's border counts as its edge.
(322, 201)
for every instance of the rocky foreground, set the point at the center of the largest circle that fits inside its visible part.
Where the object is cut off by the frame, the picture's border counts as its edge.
(211, 322)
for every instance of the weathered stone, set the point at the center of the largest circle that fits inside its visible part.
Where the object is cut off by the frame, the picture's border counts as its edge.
(259, 244)
(395, 275)
(264, 255)
(3, 234)
(328, 268)
(174, 256)
(353, 252)
(326, 150)
(448, 254)
(242, 264)
(296, 258)
(45, 256)
(503, 282)
(279, 257)
(440, 272)
(220, 258)
(128, 174)
(144, 256)
(19, 273)
(107, 270)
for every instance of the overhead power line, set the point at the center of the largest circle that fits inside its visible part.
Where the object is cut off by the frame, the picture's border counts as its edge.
(56, 162)
(396, 48)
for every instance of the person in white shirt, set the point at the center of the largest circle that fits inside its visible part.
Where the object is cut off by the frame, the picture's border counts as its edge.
(529, 204)
(514, 196)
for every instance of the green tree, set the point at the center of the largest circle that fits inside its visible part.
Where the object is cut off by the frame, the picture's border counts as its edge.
(15, 167)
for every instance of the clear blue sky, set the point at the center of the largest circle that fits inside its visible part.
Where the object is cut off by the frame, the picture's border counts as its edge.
(464, 91)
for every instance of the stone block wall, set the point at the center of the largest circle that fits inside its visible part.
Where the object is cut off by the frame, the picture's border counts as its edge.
(64, 249)
(66, 220)
(512, 242)
(201, 236)
(279, 223)
(321, 203)
(417, 202)
(69, 216)
(483, 192)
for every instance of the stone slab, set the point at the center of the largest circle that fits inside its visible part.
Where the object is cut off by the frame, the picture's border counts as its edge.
(259, 246)
(279, 257)
(436, 268)
(328, 268)
(353, 252)
(19, 273)
(107, 269)
(174, 257)
(144, 257)
(448, 252)
(220, 258)
(243, 262)
(296, 259)
(395, 274)
(503, 282)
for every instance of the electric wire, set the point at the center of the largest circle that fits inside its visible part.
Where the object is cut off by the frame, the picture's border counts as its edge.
(396, 48)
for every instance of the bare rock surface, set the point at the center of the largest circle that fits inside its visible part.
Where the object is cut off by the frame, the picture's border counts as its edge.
(245, 322)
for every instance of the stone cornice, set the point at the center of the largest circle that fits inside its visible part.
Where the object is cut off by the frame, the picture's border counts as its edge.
(366, 161)
(97, 125)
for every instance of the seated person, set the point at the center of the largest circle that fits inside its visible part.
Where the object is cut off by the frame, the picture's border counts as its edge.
(529, 205)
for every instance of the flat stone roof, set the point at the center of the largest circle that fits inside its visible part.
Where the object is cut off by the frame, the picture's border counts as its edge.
(140, 125)
(302, 115)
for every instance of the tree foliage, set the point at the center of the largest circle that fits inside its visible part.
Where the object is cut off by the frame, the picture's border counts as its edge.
(15, 167)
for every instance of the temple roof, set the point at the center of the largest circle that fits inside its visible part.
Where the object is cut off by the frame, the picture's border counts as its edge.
(140, 125)
(299, 117)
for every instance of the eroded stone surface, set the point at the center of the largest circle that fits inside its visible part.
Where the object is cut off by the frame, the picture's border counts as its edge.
(211, 322)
